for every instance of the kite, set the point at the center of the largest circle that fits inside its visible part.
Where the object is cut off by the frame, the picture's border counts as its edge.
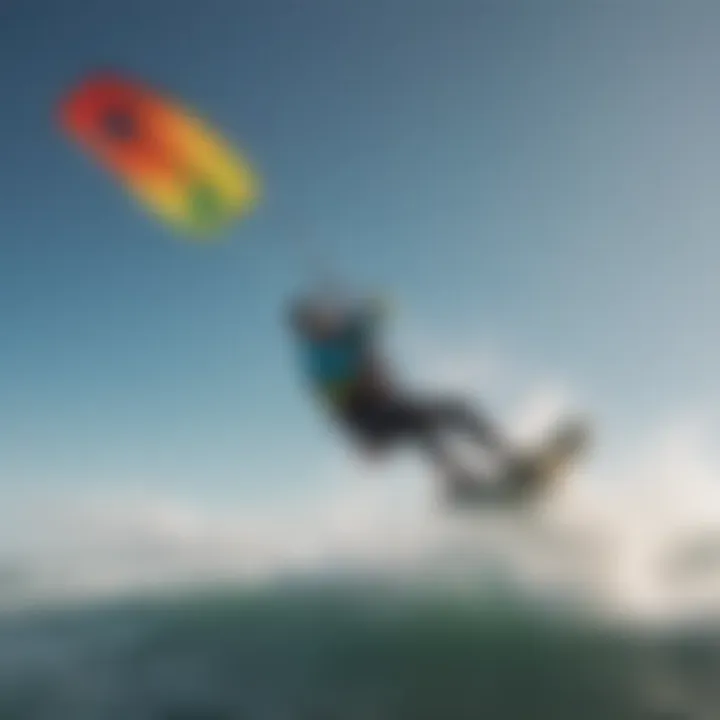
(164, 154)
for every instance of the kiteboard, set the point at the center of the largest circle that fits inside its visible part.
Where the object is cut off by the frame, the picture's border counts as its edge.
(532, 474)
(535, 474)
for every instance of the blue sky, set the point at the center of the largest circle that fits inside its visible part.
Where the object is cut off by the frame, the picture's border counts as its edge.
(540, 176)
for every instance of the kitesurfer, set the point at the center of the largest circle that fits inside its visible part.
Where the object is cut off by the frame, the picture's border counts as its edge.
(342, 362)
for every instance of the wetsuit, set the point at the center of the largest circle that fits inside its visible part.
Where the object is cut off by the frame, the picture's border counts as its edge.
(344, 370)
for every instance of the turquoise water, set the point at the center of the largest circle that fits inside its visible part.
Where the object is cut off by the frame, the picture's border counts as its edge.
(322, 653)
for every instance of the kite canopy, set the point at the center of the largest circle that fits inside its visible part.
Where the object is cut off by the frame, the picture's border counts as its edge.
(167, 157)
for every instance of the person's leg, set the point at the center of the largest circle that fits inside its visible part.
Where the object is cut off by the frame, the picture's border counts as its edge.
(459, 485)
(381, 422)
(426, 420)
(457, 415)
(385, 421)
(403, 417)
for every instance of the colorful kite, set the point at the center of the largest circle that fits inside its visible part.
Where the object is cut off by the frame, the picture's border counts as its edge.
(165, 155)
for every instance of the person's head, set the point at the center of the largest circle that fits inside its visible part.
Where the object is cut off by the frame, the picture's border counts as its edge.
(316, 320)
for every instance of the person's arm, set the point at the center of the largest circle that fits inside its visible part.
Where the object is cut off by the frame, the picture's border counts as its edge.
(368, 317)
(366, 322)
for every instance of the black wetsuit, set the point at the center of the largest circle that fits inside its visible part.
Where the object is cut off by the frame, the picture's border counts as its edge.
(343, 368)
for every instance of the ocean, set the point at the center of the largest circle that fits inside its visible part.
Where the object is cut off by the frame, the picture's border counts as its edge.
(347, 651)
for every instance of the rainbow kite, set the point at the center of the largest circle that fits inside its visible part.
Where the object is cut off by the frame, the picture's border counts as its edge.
(166, 156)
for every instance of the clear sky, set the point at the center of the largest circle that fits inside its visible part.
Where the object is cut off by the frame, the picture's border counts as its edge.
(541, 176)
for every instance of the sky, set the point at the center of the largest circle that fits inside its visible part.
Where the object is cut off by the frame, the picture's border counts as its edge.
(533, 185)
